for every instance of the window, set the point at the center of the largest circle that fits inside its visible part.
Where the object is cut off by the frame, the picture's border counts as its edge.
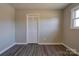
(75, 17)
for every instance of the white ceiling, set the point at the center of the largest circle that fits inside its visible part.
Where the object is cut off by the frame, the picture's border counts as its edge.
(39, 5)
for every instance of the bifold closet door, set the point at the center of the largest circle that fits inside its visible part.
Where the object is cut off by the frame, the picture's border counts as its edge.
(32, 29)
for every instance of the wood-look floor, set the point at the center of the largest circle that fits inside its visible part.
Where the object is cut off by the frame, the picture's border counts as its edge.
(38, 50)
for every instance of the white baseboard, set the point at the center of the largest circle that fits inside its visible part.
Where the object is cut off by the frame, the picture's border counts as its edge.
(21, 43)
(71, 49)
(7, 48)
(50, 43)
(43, 43)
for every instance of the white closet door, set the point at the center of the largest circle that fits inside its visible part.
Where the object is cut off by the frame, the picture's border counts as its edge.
(32, 29)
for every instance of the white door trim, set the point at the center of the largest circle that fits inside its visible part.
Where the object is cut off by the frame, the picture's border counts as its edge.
(37, 14)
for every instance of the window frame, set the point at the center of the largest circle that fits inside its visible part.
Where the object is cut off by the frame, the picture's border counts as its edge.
(73, 17)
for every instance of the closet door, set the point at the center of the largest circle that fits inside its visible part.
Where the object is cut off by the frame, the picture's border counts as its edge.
(32, 29)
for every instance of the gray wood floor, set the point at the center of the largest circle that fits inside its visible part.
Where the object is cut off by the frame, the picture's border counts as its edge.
(38, 50)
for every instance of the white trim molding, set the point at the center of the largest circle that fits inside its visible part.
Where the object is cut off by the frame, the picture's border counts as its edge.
(50, 43)
(71, 49)
(43, 43)
(7, 48)
(21, 43)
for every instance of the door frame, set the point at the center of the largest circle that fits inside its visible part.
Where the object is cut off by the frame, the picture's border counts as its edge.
(37, 14)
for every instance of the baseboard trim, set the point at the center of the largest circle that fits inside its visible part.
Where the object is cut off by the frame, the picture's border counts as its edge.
(7, 48)
(50, 43)
(21, 43)
(42, 43)
(71, 49)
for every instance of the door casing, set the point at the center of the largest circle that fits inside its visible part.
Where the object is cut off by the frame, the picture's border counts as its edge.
(36, 15)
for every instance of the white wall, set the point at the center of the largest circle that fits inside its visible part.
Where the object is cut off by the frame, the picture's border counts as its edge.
(71, 36)
(50, 25)
(7, 27)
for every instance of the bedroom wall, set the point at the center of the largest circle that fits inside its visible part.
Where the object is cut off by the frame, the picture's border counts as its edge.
(7, 26)
(71, 36)
(50, 25)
